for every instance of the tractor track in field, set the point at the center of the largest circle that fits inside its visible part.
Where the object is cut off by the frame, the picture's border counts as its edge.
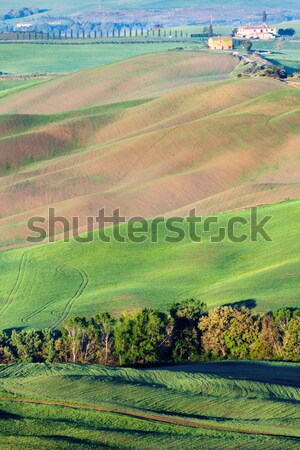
(42, 308)
(15, 289)
(36, 312)
(71, 301)
(155, 418)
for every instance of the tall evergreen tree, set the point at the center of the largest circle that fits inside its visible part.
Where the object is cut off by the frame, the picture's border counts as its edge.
(265, 17)
(210, 31)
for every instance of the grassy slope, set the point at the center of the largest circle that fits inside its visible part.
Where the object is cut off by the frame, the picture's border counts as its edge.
(42, 286)
(10, 85)
(256, 397)
(291, 24)
(288, 56)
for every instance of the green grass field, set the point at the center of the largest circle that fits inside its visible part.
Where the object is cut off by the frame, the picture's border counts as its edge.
(8, 87)
(240, 136)
(229, 405)
(12, 84)
(288, 56)
(58, 58)
(42, 286)
(29, 58)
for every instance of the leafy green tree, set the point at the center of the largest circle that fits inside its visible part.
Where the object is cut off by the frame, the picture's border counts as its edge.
(27, 345)
(274, 72)
(227, 331)
(242, 332)
(266, 346)
(247, 45)
(287, 32)
(186, 336)
(273, 342)
(48, 352)
(213, 327)
(291, 340)
(125, 340)
(141, 338)
(281, 319)
(6, 355)
(290, 32)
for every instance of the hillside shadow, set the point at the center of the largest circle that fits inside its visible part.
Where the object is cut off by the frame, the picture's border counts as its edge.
(104, 426)
(249, 303)
(70, 440)
(4, 415)
(9, 331)
(289, 68)
(190, 415)
(264, 372)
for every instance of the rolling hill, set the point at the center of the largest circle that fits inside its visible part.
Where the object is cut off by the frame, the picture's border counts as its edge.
(229, 405)
(42, 286)
(156, 135)
(128, 136)
(142, 76)
(217, 146)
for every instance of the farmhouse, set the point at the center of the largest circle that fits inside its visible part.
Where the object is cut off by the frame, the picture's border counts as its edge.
(220, 43)
(24, 25)
(263, 32)
(54, 24)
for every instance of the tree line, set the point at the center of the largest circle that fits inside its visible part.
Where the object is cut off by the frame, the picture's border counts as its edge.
(60, 34)
(186, 332)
